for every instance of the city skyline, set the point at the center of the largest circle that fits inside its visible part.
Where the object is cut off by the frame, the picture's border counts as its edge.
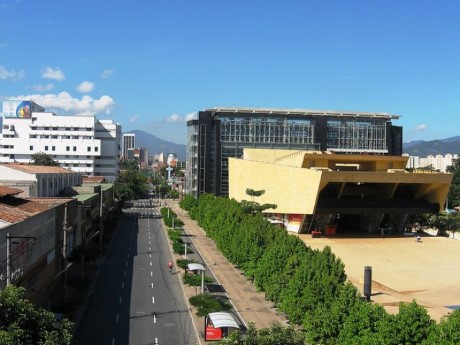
(154, 65)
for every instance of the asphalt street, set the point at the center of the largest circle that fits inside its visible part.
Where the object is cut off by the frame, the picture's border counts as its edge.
(136, 300)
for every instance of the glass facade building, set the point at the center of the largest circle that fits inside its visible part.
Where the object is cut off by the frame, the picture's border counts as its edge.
(220, 133)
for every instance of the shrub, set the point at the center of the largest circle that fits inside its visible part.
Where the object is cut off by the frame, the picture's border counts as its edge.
(195, 279)
(206, 303)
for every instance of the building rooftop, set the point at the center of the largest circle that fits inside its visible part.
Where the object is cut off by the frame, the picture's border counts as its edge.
(309, 112)
(38, 169)
(6, 191)
(14, 210)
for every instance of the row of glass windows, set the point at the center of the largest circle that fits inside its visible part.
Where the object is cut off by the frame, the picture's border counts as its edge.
(67, 148)
(45, 136)
(44, 128)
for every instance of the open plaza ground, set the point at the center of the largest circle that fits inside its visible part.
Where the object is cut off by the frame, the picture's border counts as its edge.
(402, 269)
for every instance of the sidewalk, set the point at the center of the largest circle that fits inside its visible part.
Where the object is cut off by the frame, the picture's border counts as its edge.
(250, 304)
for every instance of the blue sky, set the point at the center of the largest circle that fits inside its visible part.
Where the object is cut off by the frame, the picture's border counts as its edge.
(153, 64)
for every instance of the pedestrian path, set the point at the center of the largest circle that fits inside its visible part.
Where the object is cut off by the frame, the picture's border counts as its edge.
(250, 304)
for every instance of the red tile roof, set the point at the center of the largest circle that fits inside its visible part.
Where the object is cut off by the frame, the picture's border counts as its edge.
(93, 179)
(38, 169)
(5, 190)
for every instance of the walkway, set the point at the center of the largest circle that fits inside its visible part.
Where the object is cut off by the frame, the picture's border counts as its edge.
(250, 304)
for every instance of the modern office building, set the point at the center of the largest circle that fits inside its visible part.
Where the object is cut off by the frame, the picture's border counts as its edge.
(81, 143)
(221, 133)
(129, 143)
(329, 192)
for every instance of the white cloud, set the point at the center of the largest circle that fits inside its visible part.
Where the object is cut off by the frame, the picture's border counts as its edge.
(421, 128)
(55, 74)
(85, 87)
(133, 118)
(174, 118)
(12, 75)
(41, 88)
(3, 45)
(191, 116)
(106, 73)
(75, 106)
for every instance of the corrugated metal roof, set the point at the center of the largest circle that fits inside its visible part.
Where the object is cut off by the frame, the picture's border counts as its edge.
(13, 210)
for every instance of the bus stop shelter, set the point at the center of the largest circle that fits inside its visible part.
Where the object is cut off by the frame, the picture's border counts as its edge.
(219, 325)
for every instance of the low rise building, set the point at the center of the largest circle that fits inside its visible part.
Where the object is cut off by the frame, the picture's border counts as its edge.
(38, 181)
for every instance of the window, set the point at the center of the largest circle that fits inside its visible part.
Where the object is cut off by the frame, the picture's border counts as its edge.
(53, 148)
(96, 149)
(74, 148)
(46, 148)
(31, 147)
(67, 148)
(89, 148)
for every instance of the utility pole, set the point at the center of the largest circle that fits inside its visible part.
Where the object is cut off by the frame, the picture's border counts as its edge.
(8, 259)
(101, 223)
(64, 252)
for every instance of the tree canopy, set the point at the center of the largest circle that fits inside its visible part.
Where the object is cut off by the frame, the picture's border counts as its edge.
(41, 158)
(21, 323)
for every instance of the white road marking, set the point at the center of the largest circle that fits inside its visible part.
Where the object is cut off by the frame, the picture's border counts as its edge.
(113, 341)
(116, 319)
(156, 341)
(150, 255)
(121, 299)
(151, 273)
(153, 300)
(150, 263)
(154, 318)
(152, 285)
(125, 273)
(123, 285)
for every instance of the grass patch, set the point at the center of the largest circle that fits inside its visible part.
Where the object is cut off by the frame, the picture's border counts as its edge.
(195, 279)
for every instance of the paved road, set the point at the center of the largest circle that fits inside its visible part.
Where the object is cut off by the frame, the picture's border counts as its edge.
(136, 300)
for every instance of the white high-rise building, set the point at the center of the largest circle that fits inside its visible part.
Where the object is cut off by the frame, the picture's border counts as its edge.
(77, 142)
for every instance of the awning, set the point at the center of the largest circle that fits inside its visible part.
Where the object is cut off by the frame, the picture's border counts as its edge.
(221, 319)
(195, 267)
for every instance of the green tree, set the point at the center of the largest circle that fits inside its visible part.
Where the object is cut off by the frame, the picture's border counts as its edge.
(41, 158)
(130, 185)
(444, 222)
(252, 206)
(21, 323)
(412, 325)
(448, 330)
(129, 164)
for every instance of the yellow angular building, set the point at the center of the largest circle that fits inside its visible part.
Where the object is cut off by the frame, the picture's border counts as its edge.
(337, 193)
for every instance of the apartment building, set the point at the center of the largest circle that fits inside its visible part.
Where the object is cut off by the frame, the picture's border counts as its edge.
(80, 143)
(436, 162)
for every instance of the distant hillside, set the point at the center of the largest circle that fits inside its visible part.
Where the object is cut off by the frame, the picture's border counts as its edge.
(156, 145)
(433, 147)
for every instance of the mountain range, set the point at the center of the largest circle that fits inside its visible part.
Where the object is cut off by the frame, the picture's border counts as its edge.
(424, 148)
(156, 145)
(419, 148)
